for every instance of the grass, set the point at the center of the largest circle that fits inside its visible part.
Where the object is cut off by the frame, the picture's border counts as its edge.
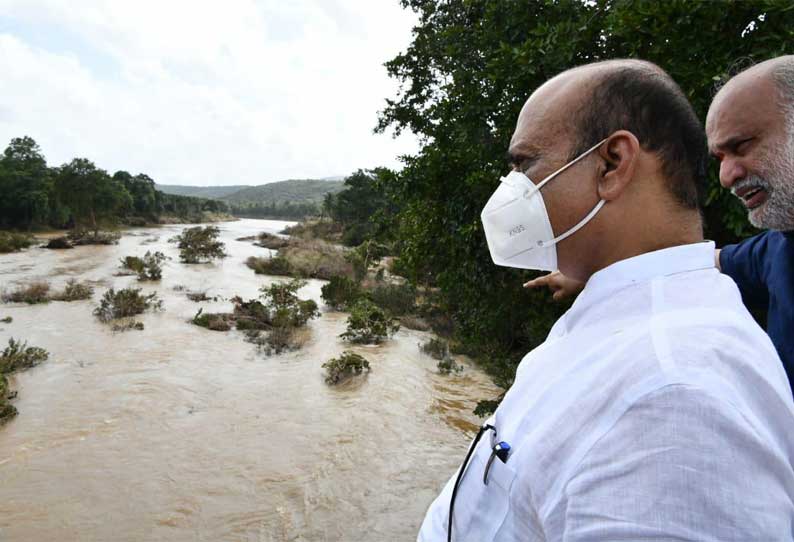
(32, 294)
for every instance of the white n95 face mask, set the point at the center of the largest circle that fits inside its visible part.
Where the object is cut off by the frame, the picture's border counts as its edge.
(517, 226)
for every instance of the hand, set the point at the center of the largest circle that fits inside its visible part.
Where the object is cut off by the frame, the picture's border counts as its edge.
(561, 286)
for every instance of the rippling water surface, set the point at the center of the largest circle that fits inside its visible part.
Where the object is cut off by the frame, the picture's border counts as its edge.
(181, 433)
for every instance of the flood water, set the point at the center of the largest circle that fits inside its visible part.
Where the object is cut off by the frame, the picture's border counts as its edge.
(181, 433)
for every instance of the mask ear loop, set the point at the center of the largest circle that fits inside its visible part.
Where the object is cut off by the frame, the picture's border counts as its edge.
(589, 216)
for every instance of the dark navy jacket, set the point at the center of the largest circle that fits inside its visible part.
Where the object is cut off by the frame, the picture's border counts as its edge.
(763, 268)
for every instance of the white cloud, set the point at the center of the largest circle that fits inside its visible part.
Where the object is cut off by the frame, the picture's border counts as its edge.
(194, 92)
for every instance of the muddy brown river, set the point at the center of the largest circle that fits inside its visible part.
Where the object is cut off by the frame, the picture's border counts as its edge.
(177, 432)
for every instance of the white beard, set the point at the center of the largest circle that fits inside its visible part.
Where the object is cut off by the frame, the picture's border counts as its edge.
(777, 213)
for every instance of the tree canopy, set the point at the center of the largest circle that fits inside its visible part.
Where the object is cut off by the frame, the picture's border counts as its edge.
(463, 79)
(80, 193)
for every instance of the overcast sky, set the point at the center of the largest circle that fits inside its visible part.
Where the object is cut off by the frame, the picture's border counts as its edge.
(203, 92)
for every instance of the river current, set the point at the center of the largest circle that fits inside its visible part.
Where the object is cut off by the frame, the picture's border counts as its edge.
(177, 432)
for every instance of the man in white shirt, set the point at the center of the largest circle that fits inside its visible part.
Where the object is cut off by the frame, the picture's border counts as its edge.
(656, 409)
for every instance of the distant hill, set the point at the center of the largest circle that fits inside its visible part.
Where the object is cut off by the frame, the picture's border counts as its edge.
(210, 192)
(292, 191)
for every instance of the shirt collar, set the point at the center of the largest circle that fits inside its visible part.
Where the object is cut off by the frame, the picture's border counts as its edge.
(645, 267)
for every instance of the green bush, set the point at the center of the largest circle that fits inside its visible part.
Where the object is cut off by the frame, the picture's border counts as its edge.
(398, 299)
(74, 291)
(281, 299)
(37, 292)
(368, 324)
(213, 321)
(345, 366)
(13, 242)
(147, 268)
(18, 355)
(6, 320)
(272, 265)
(200, 244)
(340, 292)
(127, 302)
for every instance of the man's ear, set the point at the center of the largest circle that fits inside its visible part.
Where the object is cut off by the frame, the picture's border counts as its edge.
(620, 154)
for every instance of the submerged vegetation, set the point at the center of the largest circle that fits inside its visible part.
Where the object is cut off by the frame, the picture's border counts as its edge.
(340, 292)
(304, 258)
(13, 242)
(200, 244)
(83, 236)
(74, 291)
(149, 267)
(39, 292)
(369, 324)
(271, 321)
(124, 303)
(347, 365)
(36, 292)
(17, 356)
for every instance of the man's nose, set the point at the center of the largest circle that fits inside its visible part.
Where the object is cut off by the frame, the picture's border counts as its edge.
(731, 171)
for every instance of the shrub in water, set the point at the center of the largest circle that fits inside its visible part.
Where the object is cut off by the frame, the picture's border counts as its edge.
(273, 242)
(127, 302)
(275, 265)
(340, 292)
(436, 348)
(18, 355)
(398, 299)
(86, 237)
(59, 243)
(214, 321)
(368, 324)
(341, 368)
(147, 268)
(38, 292)
(287, 310)
(447, 366)
(12, 242)
(74, 291)
(6, 320)
(127, 326)
(200, 244)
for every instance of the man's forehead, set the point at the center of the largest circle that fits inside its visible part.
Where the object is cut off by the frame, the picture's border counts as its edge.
(545, 116)
(744, 105)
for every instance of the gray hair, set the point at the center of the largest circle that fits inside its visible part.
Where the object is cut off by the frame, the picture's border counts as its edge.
(784, 78)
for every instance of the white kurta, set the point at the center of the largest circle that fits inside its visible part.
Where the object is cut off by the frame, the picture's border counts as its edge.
(656, 409)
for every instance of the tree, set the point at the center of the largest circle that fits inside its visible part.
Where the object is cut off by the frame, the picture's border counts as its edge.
(89, 192)
(24, 183)
(463, 79)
